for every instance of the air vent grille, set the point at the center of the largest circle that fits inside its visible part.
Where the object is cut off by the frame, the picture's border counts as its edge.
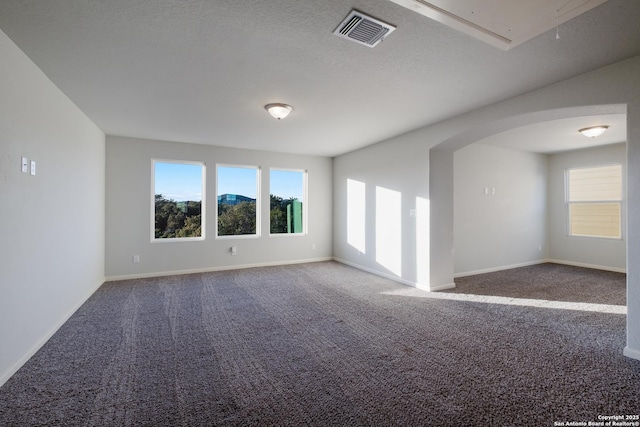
(363, 29)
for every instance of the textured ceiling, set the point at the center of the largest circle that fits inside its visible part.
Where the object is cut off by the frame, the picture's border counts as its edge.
(562, 134)
(501, 23)
(202, 70)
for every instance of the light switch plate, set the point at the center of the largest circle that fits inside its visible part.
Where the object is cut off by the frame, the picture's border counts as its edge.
(25, 165)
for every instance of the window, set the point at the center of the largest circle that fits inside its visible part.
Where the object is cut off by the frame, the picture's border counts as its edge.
(287, 195)
(594, 201)
(178, 200)
(238, 201)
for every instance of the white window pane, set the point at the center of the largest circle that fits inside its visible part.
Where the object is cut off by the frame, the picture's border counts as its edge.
(178, 200)
(594, 198)
(286, 194)
(237, 200)
(595, 219)
(597, 184)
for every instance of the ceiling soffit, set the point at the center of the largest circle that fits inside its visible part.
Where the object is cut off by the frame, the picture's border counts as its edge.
(501, 23)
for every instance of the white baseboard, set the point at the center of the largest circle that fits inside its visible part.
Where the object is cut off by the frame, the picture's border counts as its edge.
(441, 287)
(4, 376)
(211, 269)
(396, 278)
(585, 265)
(631, 353)
(378, 273)
(500, 268)
(541, 261)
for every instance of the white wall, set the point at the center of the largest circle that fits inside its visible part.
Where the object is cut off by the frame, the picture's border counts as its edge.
(608, 254)
(614, 89)
(524, 222)
(128, 203)
(500, 208)
(400, 167)
(52, 224)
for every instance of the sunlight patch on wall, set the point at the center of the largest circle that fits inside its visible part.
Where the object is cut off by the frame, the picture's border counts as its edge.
(389, 229)
(422, 241)
(356, 214)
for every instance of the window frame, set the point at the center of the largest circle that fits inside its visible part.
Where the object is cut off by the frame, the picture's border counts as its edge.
(619, 202)
(305, 202)
(203, 203)
(258, 170)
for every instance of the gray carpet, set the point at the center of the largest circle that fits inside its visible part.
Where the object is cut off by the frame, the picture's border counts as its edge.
(318, 344)
(549, 281)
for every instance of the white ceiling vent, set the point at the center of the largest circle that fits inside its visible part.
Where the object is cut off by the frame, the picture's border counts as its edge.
(363, 29)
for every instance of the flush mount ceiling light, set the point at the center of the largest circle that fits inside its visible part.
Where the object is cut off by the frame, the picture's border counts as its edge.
(278, 111)
(593, 131)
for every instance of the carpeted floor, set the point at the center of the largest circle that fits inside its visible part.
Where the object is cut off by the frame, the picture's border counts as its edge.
(318, 344)
(549, 281)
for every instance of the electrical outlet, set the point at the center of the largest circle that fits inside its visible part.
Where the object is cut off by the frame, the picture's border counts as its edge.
(136, 259)
(33, 167)
(233, 250)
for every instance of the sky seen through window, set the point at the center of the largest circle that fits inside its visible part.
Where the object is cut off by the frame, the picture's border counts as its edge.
(183, 181)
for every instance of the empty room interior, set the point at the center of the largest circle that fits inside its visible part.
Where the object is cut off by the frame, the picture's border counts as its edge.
(385, 212)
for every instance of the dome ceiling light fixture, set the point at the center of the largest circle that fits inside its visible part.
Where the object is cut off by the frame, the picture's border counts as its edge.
(278, 111)
(593, 131)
